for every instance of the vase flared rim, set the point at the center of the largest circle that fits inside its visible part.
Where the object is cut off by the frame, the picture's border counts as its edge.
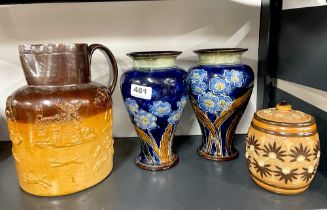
(220, 50)
(145, 54)
(51, 48)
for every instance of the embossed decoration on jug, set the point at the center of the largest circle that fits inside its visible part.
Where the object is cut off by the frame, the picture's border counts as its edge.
(101, 99)
(65, 127)
(34, 179)
(14, 131)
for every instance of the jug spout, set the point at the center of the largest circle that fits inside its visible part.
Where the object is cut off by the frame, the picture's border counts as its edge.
(55, 64)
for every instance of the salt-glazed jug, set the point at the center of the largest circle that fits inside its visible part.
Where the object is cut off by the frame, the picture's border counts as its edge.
(155, 93)
(282, 149)
(60, 124)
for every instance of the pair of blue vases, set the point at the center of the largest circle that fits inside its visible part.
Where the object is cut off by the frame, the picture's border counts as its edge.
(155, 92)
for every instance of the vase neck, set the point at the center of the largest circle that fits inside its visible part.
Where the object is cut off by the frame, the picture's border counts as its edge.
(220, 58)
(155, 62)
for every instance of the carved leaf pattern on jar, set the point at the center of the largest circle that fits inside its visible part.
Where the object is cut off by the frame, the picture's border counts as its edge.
(287, 159)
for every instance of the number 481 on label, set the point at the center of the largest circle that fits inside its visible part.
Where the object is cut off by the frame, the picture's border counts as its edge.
(141, 91)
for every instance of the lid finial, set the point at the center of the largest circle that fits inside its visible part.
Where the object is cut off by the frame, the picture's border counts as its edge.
(284, 106)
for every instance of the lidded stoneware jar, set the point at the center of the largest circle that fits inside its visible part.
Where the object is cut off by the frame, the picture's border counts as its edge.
(60, 123)
(155, 93)
(282, 149)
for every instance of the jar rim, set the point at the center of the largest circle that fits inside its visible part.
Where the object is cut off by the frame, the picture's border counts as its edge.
(284, 115)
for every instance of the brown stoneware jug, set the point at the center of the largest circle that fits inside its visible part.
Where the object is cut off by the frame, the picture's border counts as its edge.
(60, 124)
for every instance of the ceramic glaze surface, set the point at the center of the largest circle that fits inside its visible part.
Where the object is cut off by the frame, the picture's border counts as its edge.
(60, 126)
(220, 89)
(156, 118)
(283, 150)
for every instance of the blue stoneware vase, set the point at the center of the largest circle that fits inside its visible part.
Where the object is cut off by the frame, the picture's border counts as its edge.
(220, 89)
(155, 93)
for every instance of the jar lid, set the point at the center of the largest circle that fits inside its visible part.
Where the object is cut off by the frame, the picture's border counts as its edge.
(284, 121)
(283, 114)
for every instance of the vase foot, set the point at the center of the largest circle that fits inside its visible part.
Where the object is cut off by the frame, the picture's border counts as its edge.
(158, 167)
(217, 158)
(277, 190)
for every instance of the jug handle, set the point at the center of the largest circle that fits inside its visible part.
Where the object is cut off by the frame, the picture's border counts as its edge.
(113, 62)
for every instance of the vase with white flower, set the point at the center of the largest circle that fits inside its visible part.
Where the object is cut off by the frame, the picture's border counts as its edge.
(221, 87)
(155, 93)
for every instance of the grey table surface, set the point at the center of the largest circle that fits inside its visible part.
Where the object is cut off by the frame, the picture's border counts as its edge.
(195, 183)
